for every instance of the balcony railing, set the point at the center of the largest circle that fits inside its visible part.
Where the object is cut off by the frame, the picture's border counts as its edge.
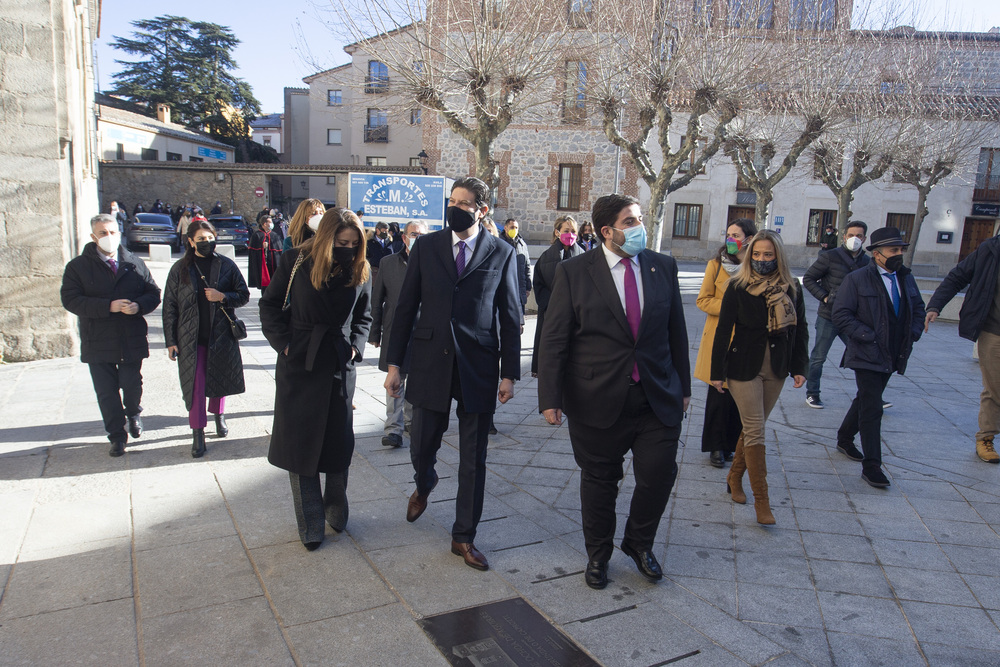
(376, 134)
(376, 84)
(987, 189)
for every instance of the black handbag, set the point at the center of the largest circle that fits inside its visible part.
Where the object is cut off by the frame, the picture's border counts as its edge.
(236, 326)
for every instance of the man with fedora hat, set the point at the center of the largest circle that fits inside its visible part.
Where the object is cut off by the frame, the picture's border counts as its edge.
(880, 310)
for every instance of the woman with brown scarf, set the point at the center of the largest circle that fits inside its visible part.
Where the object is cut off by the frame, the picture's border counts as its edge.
(764, 312)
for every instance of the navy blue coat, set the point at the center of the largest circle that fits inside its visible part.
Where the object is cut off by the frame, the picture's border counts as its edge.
(861, 312)
(978, 271)
(588, 351)
(474, 320)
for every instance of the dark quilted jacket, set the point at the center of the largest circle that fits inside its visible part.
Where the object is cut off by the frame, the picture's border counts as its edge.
(89, 287)
(978, 272)
(224, 375)
(824, 277)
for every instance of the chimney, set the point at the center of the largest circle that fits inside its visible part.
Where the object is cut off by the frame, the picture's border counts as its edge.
(163, 113)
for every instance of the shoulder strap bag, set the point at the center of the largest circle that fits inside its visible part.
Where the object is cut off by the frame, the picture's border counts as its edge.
(236, 326)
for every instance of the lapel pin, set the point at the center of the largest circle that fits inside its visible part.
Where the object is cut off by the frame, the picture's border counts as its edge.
(652, 269)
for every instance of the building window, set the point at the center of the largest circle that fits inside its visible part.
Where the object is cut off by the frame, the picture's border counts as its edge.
(416, 116)
(192, 158)
(119, 151)
(570, 183)
(331, 180)
(812, 15)
(173, 157)
(901, 221)
(987, 176)
(150, 154)
(377, 80)
(334, 98)
(376, 161)
(703, 13)
(415, 162)
(751, 13)
(267, 141)
(818, 220)
(687, 221)
(377, 127)
(334, 137)
(575, 102)
(698, 150)
(580, 12)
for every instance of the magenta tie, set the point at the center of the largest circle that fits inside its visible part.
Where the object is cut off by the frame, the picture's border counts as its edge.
(460, 258)
(633, 312)
(114, 266)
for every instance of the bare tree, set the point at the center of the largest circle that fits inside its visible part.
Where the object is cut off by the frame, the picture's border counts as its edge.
(478, 65)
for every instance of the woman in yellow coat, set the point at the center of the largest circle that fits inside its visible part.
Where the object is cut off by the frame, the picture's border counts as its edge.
(722, 419)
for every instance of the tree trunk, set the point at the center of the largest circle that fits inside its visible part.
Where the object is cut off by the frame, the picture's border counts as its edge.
(918, 220)
(654, 222)
(844, 199)
(762, 208)
(486, 168)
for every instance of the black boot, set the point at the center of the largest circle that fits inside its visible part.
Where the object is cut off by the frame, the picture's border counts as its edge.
(221, 429)
(198, 444)
(335, 500)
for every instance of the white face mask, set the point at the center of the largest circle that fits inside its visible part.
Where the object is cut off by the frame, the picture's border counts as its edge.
(108, 243)
(313, 222)
(853, 244)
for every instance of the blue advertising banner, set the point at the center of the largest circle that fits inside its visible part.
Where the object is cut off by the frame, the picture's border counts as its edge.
(401, 198)
(211, 152)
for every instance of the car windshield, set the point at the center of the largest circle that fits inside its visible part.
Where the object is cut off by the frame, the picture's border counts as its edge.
(154, 220)
(228, 223)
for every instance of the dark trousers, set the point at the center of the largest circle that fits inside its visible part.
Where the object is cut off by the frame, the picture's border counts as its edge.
(865, 417)
(426, 431)
(119, 392)
(826, 333)
(722, 422)
(313, 506)
(600, 453)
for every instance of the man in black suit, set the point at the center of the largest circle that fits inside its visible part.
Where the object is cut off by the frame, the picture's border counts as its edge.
(460, 312)
(614, 358)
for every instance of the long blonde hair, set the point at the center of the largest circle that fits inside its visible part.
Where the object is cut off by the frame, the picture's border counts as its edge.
(297, 227)
(320, 249)
(745, 274)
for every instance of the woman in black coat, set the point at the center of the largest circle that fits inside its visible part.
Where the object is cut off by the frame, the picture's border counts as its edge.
(203, 291)
(564, 245)
(319, 338)
(263, 252)
(764, 315)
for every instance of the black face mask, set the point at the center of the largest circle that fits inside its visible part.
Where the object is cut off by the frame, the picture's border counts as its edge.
(894, 263)
(344, 255)
(764, 267)
(205, 248)
(459, 219)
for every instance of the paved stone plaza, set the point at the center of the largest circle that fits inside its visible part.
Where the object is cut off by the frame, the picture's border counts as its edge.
(159, 559)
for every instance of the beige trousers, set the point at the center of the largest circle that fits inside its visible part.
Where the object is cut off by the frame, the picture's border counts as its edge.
(989, 400)
(756, 398)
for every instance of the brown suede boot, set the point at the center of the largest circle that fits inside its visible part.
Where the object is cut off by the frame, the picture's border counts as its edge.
(734, 480)
(757, 469)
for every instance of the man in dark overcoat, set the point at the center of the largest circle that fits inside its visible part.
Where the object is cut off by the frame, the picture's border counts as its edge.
(111, 291)
(385, 296)
(614, 359)
(459, 314)
(880, 310)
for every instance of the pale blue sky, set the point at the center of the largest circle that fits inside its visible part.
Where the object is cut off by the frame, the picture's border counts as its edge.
(286, 40)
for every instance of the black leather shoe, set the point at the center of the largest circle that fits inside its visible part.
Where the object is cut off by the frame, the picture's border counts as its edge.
(221, 428)
(645, 561)
(875, 478)
(135, 426)
(198, 444)
(596, 574)
(311, 546)
(393, 440)
(850, 451)
(717, 459)
(117, 448)
(493, 428)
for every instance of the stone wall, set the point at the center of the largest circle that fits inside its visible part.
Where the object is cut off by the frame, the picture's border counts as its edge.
(48, 189)
(132, 182)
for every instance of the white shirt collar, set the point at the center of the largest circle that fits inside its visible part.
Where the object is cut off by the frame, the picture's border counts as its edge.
(469, 241)
(614, 260)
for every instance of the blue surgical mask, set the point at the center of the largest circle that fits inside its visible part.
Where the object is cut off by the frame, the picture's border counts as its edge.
(635, 240)
(409, 243)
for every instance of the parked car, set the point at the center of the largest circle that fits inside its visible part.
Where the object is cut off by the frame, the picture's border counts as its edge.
(232, 229)
(147, 228)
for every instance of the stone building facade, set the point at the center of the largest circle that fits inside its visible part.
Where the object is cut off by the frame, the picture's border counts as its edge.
(48, 191)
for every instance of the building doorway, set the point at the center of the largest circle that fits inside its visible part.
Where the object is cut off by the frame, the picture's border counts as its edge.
(976, 231)
(903, 222)
(740, 212)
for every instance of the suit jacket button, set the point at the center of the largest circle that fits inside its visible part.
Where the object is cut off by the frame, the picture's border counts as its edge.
(446, 351)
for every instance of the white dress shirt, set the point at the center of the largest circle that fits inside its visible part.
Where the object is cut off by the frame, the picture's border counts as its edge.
(618, 275)
(107, 258)
(470, 244)
(887, 279)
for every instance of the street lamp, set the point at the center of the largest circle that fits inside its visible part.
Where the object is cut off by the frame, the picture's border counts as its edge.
(423, 157)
